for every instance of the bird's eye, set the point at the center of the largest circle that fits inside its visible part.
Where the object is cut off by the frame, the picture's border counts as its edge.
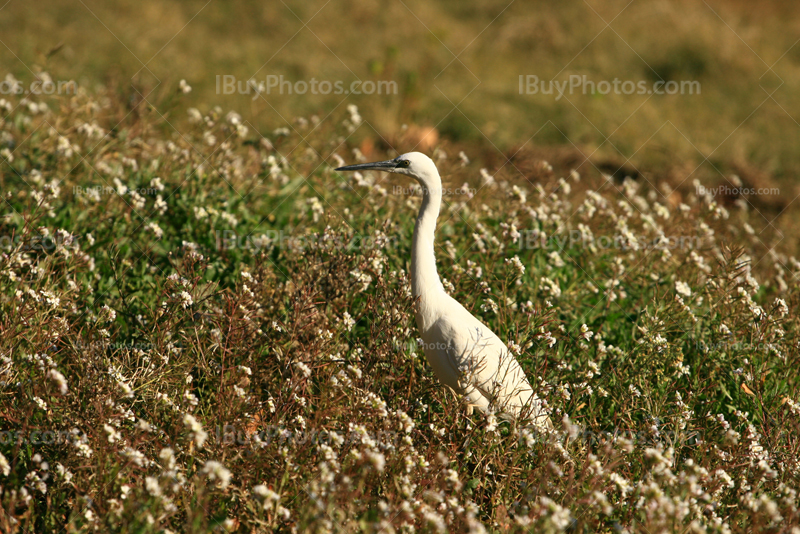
(404, 163)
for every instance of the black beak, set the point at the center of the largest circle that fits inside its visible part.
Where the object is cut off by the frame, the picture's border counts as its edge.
(387, 166)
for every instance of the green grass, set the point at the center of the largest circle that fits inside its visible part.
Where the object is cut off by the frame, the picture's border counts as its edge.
(743, 55)
(282, 337)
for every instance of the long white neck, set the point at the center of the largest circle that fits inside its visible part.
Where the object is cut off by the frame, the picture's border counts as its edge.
(425, 283)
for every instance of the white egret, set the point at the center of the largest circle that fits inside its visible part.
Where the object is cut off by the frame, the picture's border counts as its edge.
(463, 352)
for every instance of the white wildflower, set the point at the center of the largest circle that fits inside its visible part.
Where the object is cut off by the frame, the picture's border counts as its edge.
(198, 434)
(215, 471)
(683, 288)
(58, 379)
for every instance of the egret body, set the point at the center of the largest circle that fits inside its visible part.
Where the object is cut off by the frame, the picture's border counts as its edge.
(463, 352)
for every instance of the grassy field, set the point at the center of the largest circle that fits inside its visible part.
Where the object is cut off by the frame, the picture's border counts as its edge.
(199, 334)
(449, 60)
(204, 327)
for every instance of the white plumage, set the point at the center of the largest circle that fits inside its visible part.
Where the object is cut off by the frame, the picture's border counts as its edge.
(463, 352)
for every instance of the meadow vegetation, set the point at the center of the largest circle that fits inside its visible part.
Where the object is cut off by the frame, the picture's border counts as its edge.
(214, 330)
(457, 68)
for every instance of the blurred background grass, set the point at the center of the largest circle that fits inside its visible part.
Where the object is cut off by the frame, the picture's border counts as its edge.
(457, 67)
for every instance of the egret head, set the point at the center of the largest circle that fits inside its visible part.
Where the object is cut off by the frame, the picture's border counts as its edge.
(414, 164)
